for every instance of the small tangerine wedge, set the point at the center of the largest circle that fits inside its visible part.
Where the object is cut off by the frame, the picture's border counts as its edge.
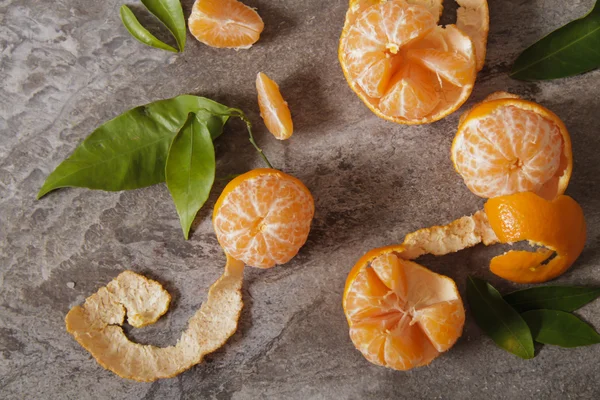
(405, 67)
(225, 24)
(274, 109)
(401, 315)
(558, 225)
(507, 145)
(263, 217)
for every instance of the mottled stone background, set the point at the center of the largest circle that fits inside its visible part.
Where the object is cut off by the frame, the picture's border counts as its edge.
(68, 66)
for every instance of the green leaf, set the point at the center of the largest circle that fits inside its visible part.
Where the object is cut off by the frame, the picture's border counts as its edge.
(570, 50)
(560, 328)
(564, 298)
(139, 32)
(170, 13)
(130, 151)
(498, 319)
(190, 170)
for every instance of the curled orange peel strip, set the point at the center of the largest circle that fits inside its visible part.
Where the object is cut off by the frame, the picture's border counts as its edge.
(97, 324)
(557, 226)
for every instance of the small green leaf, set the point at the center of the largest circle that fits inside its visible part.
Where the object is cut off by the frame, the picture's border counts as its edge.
(564, 298)
(560, 328)
(498, 319)
(570, 50)
(130, 151)
(190, 170)
(170, 13)
(139, 32)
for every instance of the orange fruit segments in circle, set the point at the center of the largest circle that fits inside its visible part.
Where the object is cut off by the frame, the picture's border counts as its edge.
(225, 24)
(405, 67)
(263, 217)
(401, 315)
(274, 109)
(506, 145)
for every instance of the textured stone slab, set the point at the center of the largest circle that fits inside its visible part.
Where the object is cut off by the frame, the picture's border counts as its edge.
(68, 66)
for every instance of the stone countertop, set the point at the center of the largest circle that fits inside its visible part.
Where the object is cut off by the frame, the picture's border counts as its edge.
(68, 66)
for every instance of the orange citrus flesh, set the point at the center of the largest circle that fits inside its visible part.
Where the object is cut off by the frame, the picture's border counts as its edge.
(557, 225)
(401, 315)
(225, 24)
(405, 67)
(507, 145)
(263, 217)
(274, 109)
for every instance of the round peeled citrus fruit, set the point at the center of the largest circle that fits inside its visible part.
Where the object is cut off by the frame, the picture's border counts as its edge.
(401, 315)
(263, 217)
(274, 109)
(557, 226)
(507, 145)
(225, 24)
(405, 67)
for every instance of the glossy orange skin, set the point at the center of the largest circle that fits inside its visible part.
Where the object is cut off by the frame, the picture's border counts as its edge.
(559, 225)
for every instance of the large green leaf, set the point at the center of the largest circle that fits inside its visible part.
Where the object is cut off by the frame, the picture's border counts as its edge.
(137, 30)
(570, 50)
(498, 319)
(190, 170)
(560, 328)
(565, 298)
(130, 151)
(170, 13)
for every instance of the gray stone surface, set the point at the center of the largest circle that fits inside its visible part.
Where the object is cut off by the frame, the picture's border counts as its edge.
(68, 66)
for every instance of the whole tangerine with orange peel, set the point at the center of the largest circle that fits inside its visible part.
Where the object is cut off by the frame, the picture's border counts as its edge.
(405, 67)
(261, 219)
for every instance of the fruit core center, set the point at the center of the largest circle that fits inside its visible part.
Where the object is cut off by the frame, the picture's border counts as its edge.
(516, 164)
(392, 48)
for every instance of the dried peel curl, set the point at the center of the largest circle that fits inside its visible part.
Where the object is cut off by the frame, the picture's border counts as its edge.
(97, 324)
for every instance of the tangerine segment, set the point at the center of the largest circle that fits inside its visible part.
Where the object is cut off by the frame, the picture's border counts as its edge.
(263, 217)
(225, 24)
(273, 109)
(401, 64)
(557, 225)
(509, 145)
(401, 315)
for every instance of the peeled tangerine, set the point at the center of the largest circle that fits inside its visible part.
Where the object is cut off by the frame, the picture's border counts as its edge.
(262, 218)
(401, 315)
(405, 67)
(507, 145)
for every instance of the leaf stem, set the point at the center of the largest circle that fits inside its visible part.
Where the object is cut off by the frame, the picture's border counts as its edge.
(240, 114)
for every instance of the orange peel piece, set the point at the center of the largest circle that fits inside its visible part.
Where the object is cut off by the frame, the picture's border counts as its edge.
(558, 226)
(96, 325)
